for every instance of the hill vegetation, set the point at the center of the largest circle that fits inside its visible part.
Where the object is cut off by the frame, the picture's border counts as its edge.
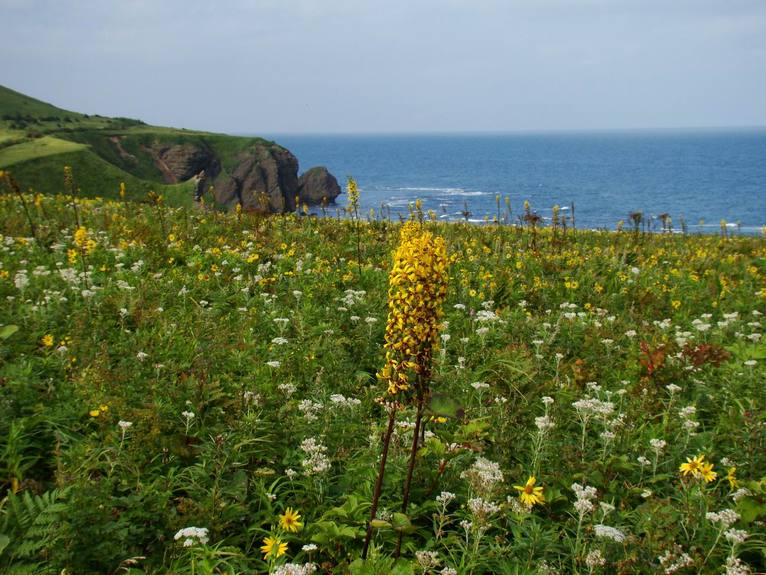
(37, 140)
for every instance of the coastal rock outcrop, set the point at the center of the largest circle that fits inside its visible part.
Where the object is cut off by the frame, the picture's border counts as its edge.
(179, 162)
(318, 186)
(265, 178)
(261, 175)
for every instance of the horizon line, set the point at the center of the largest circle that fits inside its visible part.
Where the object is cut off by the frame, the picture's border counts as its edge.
(520, 132)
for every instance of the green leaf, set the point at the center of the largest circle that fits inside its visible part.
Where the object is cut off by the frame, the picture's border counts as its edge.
(4, 540)
(400, 522)
(8, 330)
(402, 567)
(441, 404)
(750, 510)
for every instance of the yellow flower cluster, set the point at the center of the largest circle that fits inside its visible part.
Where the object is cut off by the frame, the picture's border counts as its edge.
(81, 237)
(353, 195)
(417, 289)
(698, 468)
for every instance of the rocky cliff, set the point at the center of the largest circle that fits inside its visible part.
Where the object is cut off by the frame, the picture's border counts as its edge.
(262, 176)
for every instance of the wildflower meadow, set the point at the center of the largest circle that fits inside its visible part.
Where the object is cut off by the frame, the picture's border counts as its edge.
(190, 391)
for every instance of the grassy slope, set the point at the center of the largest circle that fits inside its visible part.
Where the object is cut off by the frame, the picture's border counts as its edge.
(38, 139)
(37, 148)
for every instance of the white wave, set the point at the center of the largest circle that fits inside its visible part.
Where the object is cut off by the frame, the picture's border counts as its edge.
(443, 191)
(398, 203)
(427, 189)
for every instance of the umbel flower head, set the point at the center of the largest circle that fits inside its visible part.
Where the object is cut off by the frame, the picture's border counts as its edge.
(417, 289)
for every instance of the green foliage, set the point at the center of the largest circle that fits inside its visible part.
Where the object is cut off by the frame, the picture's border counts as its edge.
(32, 530)
(179, 369)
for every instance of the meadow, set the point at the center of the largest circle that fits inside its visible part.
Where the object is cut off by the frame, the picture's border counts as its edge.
(189, 391)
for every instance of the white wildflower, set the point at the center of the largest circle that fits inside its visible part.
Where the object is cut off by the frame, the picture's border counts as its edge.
(607, 532)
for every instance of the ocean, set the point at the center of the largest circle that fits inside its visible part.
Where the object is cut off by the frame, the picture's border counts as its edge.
(697, 177)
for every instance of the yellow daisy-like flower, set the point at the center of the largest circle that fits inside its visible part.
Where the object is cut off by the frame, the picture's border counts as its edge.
(731, 477)
(698, 468)
(707, 472)
(94, 412)
(273, 547)
(290, 521)
(47, 340)
(529, 494)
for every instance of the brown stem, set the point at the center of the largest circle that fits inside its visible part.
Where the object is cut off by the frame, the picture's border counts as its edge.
(411, 465)
(17, 190)
(379, 481)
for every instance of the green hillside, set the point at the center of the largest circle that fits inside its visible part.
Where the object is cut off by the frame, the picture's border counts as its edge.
(38, 139)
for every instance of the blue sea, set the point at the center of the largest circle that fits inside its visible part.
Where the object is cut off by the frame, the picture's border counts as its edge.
(700, 177)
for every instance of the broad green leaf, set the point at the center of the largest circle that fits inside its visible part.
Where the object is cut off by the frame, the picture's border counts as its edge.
(8, 330)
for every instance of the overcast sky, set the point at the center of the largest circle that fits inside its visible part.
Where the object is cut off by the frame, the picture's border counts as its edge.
(279, 66)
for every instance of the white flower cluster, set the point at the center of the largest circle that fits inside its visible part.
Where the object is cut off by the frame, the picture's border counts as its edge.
(594, 559)
(736, 536)
(295, 569)
(674, 560)
(352, 297)
(445, 498)
(658, 445)
(316, 461)
(486, 316)
(585, 497)
(310, 409)
(544, 423)
(687, 421)
(192, 535)
(427, 560)
(740, 493)
(607, 532)
(21, 279)
(735, 566)
(483, 475)
(591, 406)
(287, 388)
(726, 517)
(343, 401)
(481, 508)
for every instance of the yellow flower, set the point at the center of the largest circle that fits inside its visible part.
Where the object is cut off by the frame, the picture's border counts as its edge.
(94, 413)
(731, 477)
(698, 468)
(529, 494)
(707, 472)
(47, 340)
(273, 547)
(103, 408)
(353, 195)
(81, 237)
(417, 289)
(290, 521)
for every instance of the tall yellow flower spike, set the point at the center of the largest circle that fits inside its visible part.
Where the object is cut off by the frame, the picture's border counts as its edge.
(417, 290)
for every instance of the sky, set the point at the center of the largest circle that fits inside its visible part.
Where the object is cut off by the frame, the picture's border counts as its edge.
(379, 66)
